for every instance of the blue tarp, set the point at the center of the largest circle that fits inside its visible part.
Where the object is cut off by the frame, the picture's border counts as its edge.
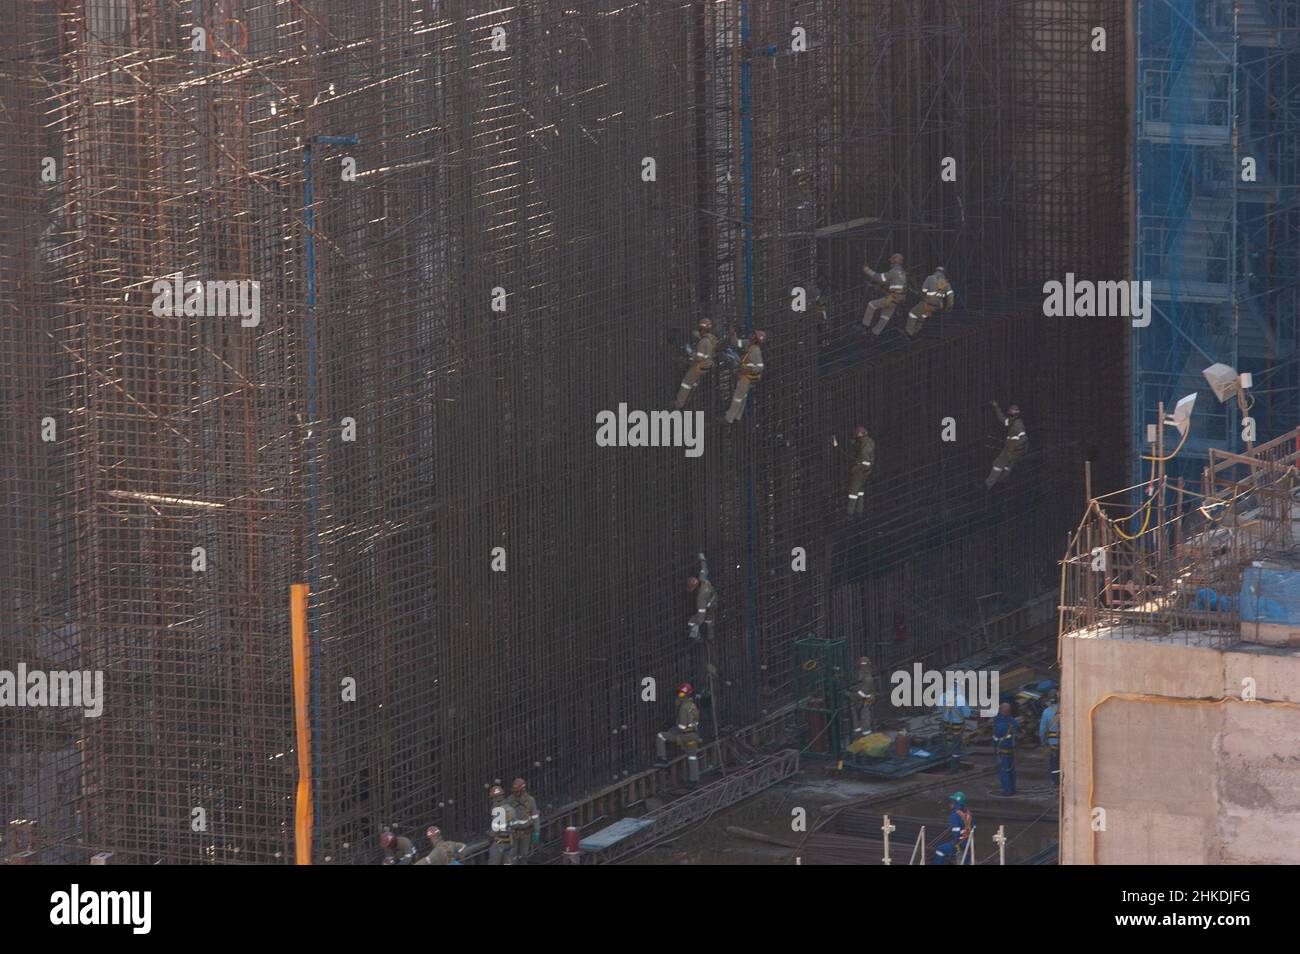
(1270, 596)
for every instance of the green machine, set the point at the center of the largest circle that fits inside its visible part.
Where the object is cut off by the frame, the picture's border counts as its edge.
(822, 678)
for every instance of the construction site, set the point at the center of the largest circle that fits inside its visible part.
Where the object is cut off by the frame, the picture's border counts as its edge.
(329, 535)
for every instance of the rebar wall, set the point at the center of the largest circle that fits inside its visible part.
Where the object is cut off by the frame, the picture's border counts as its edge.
(437, 334)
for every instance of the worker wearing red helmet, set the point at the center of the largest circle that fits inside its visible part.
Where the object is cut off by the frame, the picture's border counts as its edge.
(864, 464)
(1012, 448)
(442, 852)
(749, 372)
(398, 849)
(501, 828)
(705, 595)
(706, 342)
(527, 830)
(686, 733)
(895, 285)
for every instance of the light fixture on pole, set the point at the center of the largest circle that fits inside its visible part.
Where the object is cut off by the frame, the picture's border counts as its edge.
(1226, 383)
(1180, 419)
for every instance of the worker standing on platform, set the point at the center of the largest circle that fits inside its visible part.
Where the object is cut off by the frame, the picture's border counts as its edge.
(864, 463)
(862, 699)
(501, 829)
(1004, 747)
(954, 714)
(936, 295)
(1016, 443)
(704, 597)
(1049, 733)
(527, 831)
(442, 852)
(748, 355)
(706, 342)
(686, 733)
(894, 282)
(398, 849)
(961, 824)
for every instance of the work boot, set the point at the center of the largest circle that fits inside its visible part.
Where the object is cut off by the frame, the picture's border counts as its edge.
(661, 751)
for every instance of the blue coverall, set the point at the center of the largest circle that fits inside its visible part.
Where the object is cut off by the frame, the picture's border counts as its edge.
(1004, 744)
(948, 851)
(1049, 733)
(954, 715)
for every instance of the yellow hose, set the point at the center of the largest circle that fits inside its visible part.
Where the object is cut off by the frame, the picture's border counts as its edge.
(1186, 434)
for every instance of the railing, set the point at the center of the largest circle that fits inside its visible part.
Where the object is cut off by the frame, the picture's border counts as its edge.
(1170, 566)
(918, 849)
(701, 804)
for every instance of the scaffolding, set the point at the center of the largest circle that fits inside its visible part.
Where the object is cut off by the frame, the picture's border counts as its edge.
(1171, 569)
(1217, 146)
(390, 171)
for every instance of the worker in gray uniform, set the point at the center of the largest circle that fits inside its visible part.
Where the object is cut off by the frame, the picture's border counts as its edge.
(862, 699)
(442, 852)
(936, 295)
(685, 734)
(894, 282)
(1016, 442)
(398, 849)
(501, 829)
(748, 355)
(705, 595)
(527, 832)
(701, 353)
(864, 463)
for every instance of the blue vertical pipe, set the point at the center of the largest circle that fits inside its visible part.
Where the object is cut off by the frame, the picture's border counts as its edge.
(747, 187)
(313, 460)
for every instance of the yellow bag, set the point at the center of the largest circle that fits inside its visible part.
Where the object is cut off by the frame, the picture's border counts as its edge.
(874, 745)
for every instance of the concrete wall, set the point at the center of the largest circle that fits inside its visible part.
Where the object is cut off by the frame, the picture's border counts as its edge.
(1183, 777)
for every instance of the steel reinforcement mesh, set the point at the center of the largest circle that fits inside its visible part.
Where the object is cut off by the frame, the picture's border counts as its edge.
(464, 256)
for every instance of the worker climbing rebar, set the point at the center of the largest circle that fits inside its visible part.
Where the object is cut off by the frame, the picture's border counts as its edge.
(526, 829)
(705, 595)
(701, 355)
(864, 463)
(1017, 440)
(748, 356)
(894, 282)
(501, 828)
(936, 295)
(685, 734)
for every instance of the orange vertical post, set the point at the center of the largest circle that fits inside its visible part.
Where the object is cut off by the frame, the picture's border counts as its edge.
(303, 804)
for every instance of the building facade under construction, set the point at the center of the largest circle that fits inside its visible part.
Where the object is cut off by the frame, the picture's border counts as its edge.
(475, 227)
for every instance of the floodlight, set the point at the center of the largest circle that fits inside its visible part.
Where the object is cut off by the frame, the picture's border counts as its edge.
(1182, 416)
(1223, 381)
